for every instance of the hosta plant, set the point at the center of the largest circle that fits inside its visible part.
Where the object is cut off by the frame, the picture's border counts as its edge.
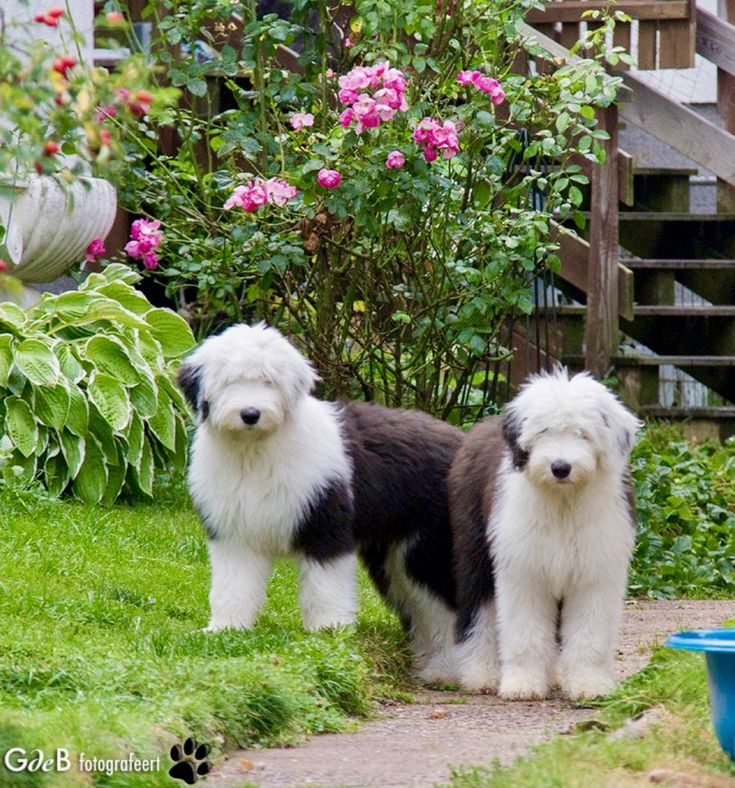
(87, 403)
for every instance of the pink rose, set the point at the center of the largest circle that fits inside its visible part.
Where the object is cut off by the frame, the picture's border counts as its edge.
(395, 160)
(301, 119)
(329, 179)
(346, 117)
(467, 77)
(279, 192)
(95, 249)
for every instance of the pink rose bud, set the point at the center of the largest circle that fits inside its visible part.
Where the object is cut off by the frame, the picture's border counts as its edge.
(329, 179)
(395, 160)
(115, 17)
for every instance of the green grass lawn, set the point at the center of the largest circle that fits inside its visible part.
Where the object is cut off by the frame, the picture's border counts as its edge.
(101, 648)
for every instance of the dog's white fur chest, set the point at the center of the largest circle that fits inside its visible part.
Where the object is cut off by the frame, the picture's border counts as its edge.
(560, 541)
(256, 489)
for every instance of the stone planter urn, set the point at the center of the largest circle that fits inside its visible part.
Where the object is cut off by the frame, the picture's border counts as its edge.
(49, 226)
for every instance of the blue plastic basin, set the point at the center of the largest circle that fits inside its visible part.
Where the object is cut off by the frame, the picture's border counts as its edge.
(719, 648)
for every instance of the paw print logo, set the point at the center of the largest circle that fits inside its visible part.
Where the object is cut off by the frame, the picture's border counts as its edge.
(190, 761)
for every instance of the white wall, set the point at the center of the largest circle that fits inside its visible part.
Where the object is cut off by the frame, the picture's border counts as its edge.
(82, 13)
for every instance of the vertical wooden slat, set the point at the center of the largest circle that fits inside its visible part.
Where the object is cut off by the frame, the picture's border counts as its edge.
(569, 34)
(647, 45)
(622, 38)
(678, 41)
(726, 110)
(601, 329)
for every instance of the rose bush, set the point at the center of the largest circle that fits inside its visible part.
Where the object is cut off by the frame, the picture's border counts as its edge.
(387, 201)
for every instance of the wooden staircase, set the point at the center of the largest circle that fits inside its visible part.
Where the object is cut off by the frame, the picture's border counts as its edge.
(649, 272)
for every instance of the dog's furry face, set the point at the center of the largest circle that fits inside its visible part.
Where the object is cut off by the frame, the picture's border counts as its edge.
(246, 380)
(562, 430)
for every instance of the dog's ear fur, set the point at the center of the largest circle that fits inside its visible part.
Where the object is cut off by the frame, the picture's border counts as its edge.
(512, 424)
(623, 425)
(190, 382)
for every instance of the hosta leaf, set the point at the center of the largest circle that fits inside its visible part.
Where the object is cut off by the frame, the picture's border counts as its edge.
(56, 475)
(16, 381)
(144, 398)
(6, 358)
(35, 359)
(51, 405)
(143, 475)
(151, 350)
(73, 449)
(116, 272)
(12, 315)
(126, 296)
(77, 418)
(111, 399)
(102, 430)
(162, 423)
(20, 425)
(69, 363)
(115, 478)
(135, 438)
(171, 330)
(109, 355)
(91, 481)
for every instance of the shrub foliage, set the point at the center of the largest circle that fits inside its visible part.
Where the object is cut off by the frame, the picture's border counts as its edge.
(686, 517)
(86, 399)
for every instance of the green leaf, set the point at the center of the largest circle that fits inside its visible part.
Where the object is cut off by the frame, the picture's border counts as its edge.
(77, 419)
(51, 405)
(108, 354)
(69, 363)
(20, 425)
(163, 423)
(135, 437)
(127, 296)
(144, 397)
(144, 473)
(196, 86)
(312, 165)
(171, 330)
(6, 358)
(12, 316)
(37, 362)
(91, 481)
(73, 449)
(115, 272)
(111, 399)
(55, 475)
(115, 478)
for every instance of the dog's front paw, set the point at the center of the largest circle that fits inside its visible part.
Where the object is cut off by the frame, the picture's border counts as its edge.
(517, 684)
(479, 679)
(587, 683)
(221, 626)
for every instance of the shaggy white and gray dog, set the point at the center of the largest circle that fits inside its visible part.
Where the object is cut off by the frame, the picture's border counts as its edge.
(542, 515)
(276, 472)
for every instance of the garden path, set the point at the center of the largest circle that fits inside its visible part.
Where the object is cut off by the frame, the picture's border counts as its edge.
(414, 744)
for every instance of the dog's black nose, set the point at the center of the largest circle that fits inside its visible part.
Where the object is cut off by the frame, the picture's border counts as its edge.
(561, 469)
(250, 416)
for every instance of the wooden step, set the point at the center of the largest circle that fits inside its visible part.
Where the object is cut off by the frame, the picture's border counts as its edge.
(712, 279)
(677, 235)
(676, 310)
(577, 360)
(712, 422)
(678, 265)
(686, 332)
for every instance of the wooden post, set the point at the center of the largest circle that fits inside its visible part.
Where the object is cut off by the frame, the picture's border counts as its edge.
(726, 111)
(601, 329)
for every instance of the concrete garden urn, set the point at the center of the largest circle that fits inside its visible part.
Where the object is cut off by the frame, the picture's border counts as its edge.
(49, 226)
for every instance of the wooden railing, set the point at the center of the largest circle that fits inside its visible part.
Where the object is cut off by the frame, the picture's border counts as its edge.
(664, 29)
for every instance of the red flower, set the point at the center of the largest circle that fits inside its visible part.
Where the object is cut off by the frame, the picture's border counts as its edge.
(115, 17)
(51, 17)
(63, 64)
(51, 148)
(3, 266)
